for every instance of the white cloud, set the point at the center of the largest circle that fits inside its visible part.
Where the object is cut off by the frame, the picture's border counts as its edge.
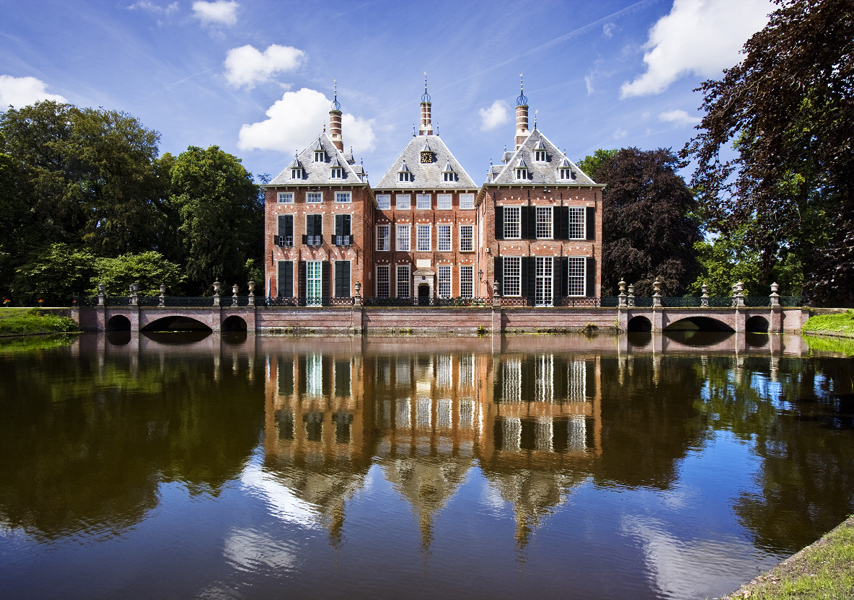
(608, 30)
(220, 12)
(495, 115)
(246, 66)
(296, 119)
(588, 81)
(154, 8)
(678, 117)
(700, 37)
(23, 91)
(619, 133)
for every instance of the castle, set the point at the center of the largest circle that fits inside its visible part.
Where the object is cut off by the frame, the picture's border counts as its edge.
(531, 233)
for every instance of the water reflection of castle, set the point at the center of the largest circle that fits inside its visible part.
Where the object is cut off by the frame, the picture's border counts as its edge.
(532, 422)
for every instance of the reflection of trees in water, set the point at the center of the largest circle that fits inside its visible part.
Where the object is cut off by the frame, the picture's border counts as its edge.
(649, 419)
(806, 483)
(78, 457)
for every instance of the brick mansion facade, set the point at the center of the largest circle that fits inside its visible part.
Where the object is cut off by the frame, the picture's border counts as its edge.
(426, 230)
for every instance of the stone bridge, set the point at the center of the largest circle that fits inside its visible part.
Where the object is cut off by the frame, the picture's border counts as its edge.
(439, 320)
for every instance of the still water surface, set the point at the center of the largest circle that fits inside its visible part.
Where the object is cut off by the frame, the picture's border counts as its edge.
(265, 467)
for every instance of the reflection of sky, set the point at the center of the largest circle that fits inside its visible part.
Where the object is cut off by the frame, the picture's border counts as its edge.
(281, 501)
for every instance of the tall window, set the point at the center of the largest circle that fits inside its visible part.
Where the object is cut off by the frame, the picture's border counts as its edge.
(544, 378)
(577, 225)
(314, 375)
(466, 201)
(443, 238)
(383, 281)
(343, 235)
(285, 197)
(422, 238)
(384, 201)
(314, 282)
(403, 202)
(577, 275)
(577, 381)
(383, 242)
(511, 377)
(443, 202)
(343, 197)
(466, 238)
(512, 222)
(444, 281)
(403, 281)
(403, 238)
(422, 201)
(466, 281)
(512, 284)
(313, 230)
(544, 222)
(543, 282)
(314, 197)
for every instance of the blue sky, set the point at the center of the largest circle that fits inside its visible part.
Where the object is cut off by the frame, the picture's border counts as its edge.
(256, 77)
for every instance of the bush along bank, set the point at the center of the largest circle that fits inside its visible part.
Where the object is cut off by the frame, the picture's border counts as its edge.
(838, 324)
(33, 321)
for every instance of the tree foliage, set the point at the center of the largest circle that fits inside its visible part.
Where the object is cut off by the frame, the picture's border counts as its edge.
(54, 275)
(648, 229)
(591, 164)
(149, 269)
(787, 109)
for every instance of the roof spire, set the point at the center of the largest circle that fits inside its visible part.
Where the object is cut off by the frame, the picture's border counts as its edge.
(426, 127)
(535, 117)
(426, 96)
(522, 100)
(335, 104)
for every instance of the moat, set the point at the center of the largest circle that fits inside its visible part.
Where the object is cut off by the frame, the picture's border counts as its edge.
(243, 466)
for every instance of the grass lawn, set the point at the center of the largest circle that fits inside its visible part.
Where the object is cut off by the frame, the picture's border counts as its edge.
(823, 570)
(29, 321)
(840, 323)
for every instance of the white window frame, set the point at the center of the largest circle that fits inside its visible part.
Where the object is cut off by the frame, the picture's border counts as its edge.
(403, 279)
(565, 173)
(404, 176)
(444, 201)
(402, 235)
(337, 173)
(343, 197)
(544, 219)
(544, 281)
(521, 174)
(511, 275)
(444, 237)
(576, 284)
(383, 201)
(423, 202)
(319, 156)
(466, 201)
(466, 281)
(383, 238)
(314, 197)
(540, 155)
(450, 176)
(296, 173)
(383, 279)
(313, 282)
(578, 223)
(510, 223)
(466, 241)
(444, 274)
(403, 202)
(422, 238)
(285, 197)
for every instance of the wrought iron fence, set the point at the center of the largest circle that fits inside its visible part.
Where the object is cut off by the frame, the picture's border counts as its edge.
(305, 301)
(447, 302)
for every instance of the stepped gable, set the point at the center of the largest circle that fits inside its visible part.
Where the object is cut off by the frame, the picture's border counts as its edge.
(426, 176)
(320, 173)
(539, 172)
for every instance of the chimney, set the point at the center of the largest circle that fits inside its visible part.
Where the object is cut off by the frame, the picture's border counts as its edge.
(335, 122)
(426, 127)
(521, 117)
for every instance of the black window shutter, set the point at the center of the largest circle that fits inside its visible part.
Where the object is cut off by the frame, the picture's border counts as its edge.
(301, 275)
(289, 226)
(499, 273)
(324, 283)
(499, 223)
(301, 362)
(309, 224)
(342, 279)
(339, 224)
(591, 276)
(525, 218)
(282, 224)
(346, 225)
(286, 278)
(561, 222)
(557, 288)
(591, 223)
(529, 276)
(318, 224)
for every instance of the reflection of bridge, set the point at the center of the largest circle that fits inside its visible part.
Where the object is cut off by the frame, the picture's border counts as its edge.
(481, 319)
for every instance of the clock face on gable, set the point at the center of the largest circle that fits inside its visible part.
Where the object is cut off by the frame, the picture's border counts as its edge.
(426, 157)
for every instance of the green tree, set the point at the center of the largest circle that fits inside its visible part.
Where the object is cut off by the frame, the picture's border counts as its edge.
(54, 275)
(648, 230)
(220, 215)
(786, 108)
(591, 164)
(150, 269)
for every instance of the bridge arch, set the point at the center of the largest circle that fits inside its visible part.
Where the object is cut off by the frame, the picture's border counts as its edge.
(639, 324)
(756, 324)
(118, 323)
(234, 323)
(698, 323)
(176, 323)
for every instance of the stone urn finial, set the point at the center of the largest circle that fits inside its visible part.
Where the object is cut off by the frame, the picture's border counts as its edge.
(217, 286)
(704, 298)
(251, 286)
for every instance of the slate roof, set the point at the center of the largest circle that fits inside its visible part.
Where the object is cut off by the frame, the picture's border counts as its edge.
(426, 176)
(320, 173)
(539, 173)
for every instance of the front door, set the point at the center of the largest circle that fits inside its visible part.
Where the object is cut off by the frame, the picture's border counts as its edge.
(424, 294)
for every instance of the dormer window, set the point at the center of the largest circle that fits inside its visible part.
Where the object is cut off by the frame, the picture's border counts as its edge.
(448, 173)
(565, 173)
(449, 176)
(319, 156)
(540, 155)
(337, 173)
(296, 173)
(404, 174)
(521, 171)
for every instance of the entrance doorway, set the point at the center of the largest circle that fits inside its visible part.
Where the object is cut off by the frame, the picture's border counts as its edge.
(424, 294)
